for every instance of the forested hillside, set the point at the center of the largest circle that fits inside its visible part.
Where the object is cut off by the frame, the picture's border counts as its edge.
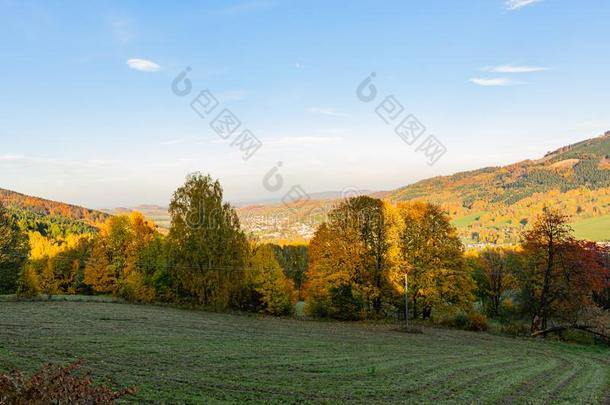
(50, 218)
(493, 204)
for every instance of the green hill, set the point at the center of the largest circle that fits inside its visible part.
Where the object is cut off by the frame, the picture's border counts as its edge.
(50, 218)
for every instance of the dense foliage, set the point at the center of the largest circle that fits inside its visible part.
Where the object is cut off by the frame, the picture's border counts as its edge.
(50, 218)
(355, 267)
(13, 251)
(358, 261)
(293, 260)
(205, 260)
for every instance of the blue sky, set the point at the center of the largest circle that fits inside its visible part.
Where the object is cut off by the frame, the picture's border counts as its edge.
(494, 81)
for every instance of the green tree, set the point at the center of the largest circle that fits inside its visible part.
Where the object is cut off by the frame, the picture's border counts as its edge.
(293, 259)
(14, 250)
(495, 276)
(208, 247)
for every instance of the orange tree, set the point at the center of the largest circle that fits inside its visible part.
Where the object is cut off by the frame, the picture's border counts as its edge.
(561, 273)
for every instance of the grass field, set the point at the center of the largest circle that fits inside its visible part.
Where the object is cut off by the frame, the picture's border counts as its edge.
(596, 228)
(468, 220)
(183, 356)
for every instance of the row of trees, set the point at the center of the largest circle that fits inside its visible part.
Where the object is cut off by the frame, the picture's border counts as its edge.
(554, 277)
(205, 259)
(354, 267)
(360, 257)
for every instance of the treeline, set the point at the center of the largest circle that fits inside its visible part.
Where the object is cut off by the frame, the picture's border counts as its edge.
(360, 258)
(205, 259)
(44, 207)
(355, 267)
(53, 226)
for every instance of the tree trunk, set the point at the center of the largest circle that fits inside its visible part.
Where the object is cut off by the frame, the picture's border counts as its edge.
(414, 307)
(544, 310)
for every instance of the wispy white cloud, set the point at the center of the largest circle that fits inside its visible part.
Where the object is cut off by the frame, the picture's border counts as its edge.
(173, 141)
(326, 111)
(143, 65)
(231, 95)
(15, 160)
(494, 82)
(514, 69)
(303, 140)
(517, 4)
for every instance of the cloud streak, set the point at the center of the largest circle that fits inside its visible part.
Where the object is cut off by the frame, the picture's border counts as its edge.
(494, 82)
(143, 65)
(514, 69)
(304, 140)
(517, 4)
(326, 111)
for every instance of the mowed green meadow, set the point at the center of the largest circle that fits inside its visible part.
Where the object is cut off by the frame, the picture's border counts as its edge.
(188, 356)
(596, 228)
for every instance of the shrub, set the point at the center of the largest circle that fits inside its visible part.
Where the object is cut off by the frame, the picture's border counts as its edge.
(516, 329)
(473, 321)
(477, 322)
(55, 385)
(461, 321)
(133, 288)
(28, 285)
(346, 305)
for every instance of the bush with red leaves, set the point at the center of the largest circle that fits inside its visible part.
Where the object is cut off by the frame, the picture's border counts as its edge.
(56, 385)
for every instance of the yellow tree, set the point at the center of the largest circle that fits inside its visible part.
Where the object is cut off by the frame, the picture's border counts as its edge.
(274, 293)
(351, 261)
(433, 255)
(99, 273)
(133, 284)
(115, 265)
